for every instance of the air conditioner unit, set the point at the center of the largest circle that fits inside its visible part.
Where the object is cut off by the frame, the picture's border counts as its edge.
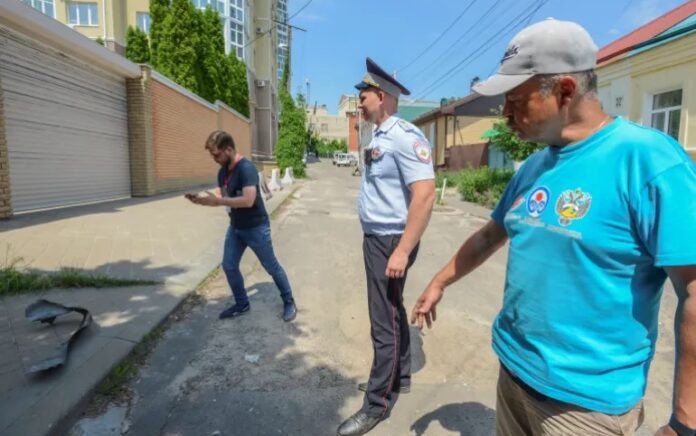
(262, 83)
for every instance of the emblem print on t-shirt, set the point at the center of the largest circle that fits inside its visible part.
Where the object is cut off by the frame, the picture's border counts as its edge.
(572, 205)
(537, 201)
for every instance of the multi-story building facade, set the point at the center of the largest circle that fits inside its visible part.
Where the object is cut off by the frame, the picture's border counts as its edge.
(325, 125)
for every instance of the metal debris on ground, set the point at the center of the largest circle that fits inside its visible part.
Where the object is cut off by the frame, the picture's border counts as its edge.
(46, 312)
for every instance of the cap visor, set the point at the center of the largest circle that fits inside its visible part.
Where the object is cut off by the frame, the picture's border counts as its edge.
(500, 84)
(362, 85)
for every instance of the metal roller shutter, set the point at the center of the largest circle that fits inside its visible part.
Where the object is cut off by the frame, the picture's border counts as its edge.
(66, 127)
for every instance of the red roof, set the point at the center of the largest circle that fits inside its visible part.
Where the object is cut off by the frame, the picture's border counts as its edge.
(646, 31)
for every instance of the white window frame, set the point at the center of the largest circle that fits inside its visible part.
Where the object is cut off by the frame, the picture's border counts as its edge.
(649, 111)
(137, 21)
(40, 5)
(92, 21)
(239, 19)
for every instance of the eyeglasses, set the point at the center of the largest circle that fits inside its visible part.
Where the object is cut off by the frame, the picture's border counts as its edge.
(215, 153)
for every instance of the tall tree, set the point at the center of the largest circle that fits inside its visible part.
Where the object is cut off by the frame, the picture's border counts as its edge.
(177, 56)
(213, 67)
(159, 10)
(137, 47)
(293, 134)
(237, 84)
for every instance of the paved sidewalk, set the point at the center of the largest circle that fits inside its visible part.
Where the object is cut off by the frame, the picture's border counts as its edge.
(163, 238)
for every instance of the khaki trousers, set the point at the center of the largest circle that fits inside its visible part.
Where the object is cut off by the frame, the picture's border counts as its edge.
(524, 412)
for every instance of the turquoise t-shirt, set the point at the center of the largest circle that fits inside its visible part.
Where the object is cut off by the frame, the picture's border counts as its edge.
(591, 226)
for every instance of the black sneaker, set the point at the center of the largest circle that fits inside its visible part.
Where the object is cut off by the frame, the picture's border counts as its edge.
(289, 311)
(235, 310)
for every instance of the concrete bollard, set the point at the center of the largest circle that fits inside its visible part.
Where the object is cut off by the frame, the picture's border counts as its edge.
(274, 184)
(263, 185)
(287, 179)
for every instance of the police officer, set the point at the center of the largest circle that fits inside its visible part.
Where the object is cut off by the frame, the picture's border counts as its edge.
(396, 198)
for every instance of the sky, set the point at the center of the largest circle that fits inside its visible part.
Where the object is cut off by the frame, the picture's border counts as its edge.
(407, 36)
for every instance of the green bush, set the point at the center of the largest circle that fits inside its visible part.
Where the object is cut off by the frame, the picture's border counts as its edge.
(137, 46)
(509, 143)
(293, 135)
(482, 185)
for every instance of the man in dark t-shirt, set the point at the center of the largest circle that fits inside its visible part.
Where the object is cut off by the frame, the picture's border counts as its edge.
(250, 227)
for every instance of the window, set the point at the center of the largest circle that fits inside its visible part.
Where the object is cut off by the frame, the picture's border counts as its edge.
(45, 6)
(324, 128)
(237, 39)
(217, 5)
(83, 14)
(143, 21)
(666, 112)
(237, 10)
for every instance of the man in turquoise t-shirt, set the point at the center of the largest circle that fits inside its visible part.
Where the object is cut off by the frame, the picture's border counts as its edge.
(596, 223)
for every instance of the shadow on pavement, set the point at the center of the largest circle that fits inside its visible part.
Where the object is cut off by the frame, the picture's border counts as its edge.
(29, 219)
(124, 269)
(251, 375)
(469, 419)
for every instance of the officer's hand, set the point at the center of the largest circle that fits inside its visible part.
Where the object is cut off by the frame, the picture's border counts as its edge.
(396, 267)
(666, 431)
(425, 308)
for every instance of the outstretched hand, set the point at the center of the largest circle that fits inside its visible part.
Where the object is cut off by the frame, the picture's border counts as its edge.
(425, 309)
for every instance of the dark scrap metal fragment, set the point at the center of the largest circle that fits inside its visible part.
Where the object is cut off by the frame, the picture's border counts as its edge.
(46, 312)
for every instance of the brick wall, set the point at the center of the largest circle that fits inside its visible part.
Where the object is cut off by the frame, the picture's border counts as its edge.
(180, 126)
(5, 202)
(140, 134)
(239, 128)
(353, 144)
(463, 156)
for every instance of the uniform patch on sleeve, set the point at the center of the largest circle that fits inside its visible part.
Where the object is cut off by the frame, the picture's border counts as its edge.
(422, 150)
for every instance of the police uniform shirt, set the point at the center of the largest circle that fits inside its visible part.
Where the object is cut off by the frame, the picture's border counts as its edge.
(398, 156)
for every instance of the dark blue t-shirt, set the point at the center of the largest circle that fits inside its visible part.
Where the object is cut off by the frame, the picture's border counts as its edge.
(231, 185)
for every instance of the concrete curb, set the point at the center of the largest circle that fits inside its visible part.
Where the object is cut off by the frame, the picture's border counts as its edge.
(56, 411)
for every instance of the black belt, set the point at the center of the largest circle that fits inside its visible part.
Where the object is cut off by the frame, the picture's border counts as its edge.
(525, 387)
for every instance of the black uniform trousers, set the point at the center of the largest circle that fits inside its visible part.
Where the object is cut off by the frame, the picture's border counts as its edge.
(391, 364)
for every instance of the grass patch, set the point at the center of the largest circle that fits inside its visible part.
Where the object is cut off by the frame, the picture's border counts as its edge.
(482, 185)
(116, 383)
(15, 280)
(115, 387)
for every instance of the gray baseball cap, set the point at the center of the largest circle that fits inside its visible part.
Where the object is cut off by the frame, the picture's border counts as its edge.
(548, 47)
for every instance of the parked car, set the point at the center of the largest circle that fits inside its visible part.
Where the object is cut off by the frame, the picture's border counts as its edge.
(343, 160)
(309, 157)
(335, 157)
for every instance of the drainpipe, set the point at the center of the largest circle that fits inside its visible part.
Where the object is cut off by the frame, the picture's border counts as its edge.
(104, 18)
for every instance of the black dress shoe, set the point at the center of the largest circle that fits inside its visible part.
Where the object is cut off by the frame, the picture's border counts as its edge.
(359, 423)
(402, 389)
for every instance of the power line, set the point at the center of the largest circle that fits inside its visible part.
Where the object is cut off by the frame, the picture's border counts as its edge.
(443, 33)
(437, 60)
(526, 23)
(623, 11)
(276, 25)
(481, 49)
(300, 10)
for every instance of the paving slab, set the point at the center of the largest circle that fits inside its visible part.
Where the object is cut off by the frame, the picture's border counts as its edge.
(164, 238)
